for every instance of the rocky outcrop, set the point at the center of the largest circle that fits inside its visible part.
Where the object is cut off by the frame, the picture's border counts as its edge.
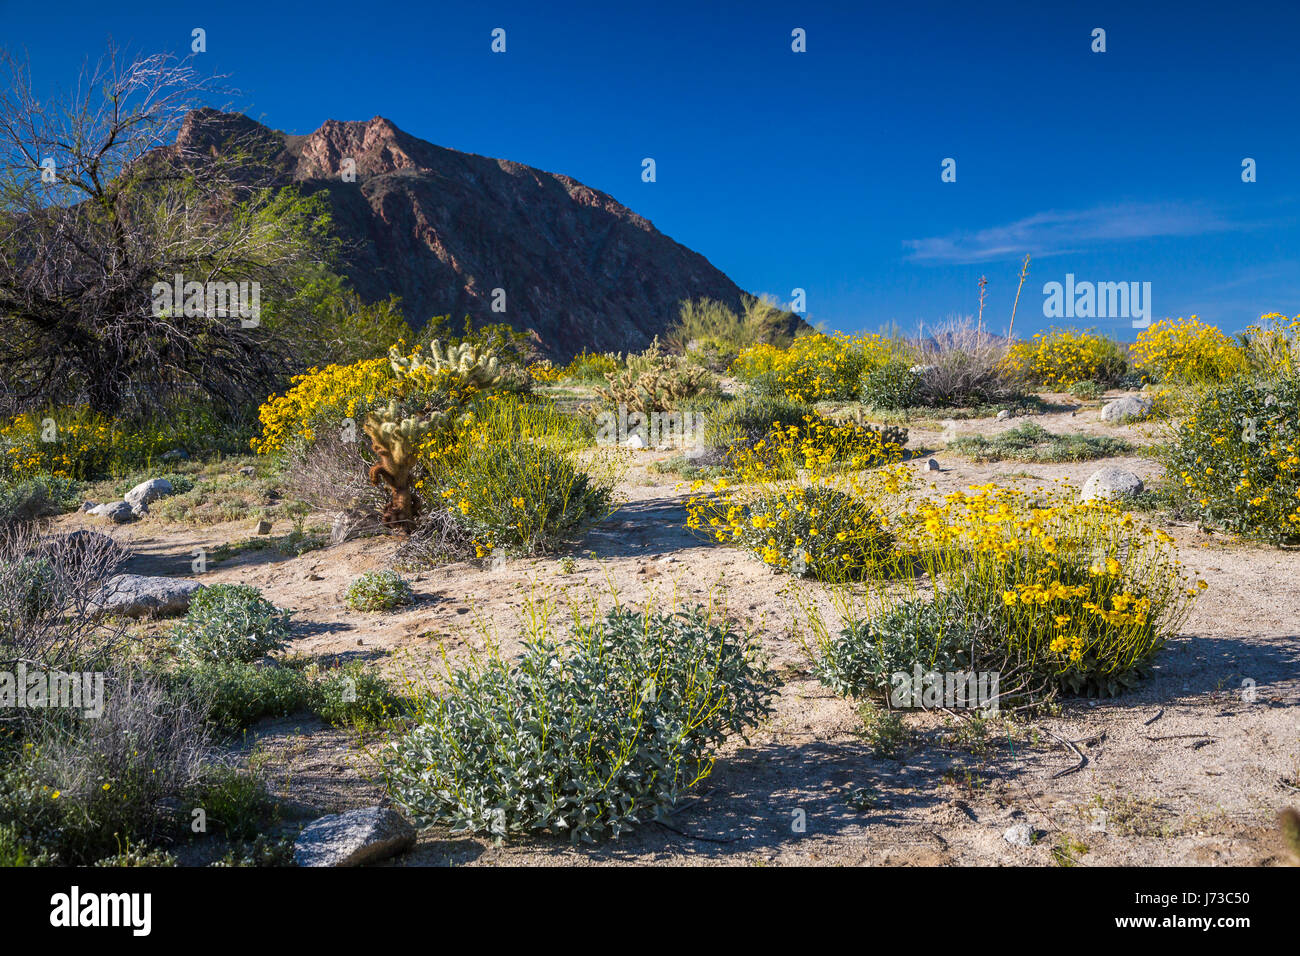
(443, 229)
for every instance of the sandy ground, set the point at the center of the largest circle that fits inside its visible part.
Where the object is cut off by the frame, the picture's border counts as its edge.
(1189, 769)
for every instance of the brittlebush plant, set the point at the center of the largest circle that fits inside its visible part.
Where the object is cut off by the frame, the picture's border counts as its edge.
(1188, 351)
(814, 367)
(518, 475)
(1083, 594)
(1063, 357)
(801, 502)
(1236, 458)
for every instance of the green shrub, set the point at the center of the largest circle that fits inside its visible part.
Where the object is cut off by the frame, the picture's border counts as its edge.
(237, 694)
(749, 418)
(355, 695)
(1087, 389)
(231, 622)
(1236, 459)
(522, 496)
(868, 652)
(378, 591)
(1032, 442)
(814, 531)
(892, 385)
(588, 737)
(36, 497)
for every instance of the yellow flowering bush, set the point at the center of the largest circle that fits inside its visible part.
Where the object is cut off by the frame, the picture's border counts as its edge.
(801, 505)
(1273, 345)
(78, 444)
(509, 473)
(1237, 458)
(327, 397)
(1081, 594)
(1188, 350)
(814, 367)
(1062, 357)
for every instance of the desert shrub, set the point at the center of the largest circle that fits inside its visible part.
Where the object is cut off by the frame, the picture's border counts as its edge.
(1236, 458)
(1188, 351)
(80, 786)
(1032, 442)
(1061, 357)
(1078, 596)
(588, 737)
(1273, 346)
(587, 368)
(814, 367)
(799, 506)
(655, 381)
(1087, 389)
(237, 694)
(712, 334)
(523, 497)
(749, 418)
(963, 365)
(861, 661)
(354, 695)
(137, 855)
(545, 371)
(236, 803)
(892, 385)
(378, 591)
(231, 622)
(38, 496)
(811, 531)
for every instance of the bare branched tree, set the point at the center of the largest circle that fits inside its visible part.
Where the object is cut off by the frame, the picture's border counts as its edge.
(118, 187)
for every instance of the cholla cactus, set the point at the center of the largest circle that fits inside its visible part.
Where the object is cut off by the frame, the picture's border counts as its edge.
(478, 366)
(653, 381)
(395, 437)
(395, 440)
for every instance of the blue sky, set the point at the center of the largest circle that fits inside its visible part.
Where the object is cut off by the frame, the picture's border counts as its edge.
(821, 170)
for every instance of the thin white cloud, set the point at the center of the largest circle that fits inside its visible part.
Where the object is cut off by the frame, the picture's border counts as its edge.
(1054, 232)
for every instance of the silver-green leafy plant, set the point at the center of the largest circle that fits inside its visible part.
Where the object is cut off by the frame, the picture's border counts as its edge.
(378, 591)
(231, 622)
(589, 736)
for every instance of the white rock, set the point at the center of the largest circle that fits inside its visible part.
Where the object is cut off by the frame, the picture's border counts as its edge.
(1126, 408)
(176, 454)
(138, 595)
(1019, 834)
(635, 440)
(1003, 415)
(932, 465)
(1111, 482)
(116, 511)
(354, 838)
(148, 491)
